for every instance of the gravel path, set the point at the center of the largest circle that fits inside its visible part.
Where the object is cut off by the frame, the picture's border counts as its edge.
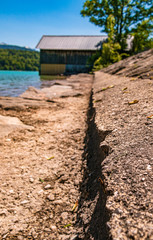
(124, 108)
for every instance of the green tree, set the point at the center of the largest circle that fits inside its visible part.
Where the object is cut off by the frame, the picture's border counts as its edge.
(110, 51)
(127, 14)
(19, 60)
(141, 37)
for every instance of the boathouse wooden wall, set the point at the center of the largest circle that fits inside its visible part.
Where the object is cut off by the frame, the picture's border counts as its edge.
(64, 61)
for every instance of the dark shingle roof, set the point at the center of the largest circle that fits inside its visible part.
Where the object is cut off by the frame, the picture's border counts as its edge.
(71, 42)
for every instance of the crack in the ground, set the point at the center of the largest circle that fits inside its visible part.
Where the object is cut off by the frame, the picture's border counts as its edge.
(92, 213)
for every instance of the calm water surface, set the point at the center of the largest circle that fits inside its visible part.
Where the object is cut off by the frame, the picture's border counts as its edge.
(13, 83)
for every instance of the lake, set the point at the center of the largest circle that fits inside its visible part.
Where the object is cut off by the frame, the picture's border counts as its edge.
(13, 83)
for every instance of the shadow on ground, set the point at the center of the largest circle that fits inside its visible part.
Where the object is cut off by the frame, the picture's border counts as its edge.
(92, 213)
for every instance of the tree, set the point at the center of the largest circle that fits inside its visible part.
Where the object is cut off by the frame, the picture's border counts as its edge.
(11, 59)
(110, 51)
(141, 37)
(127, 14)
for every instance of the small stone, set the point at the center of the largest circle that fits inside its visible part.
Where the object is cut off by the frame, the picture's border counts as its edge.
(11, 191)
(24, 202)
(51, 197)
(64, 237)
(58, 191)
(47, 230)
(40, 192)
(64, 215)
(8, 139)
(53, 228)
(20, 238)
(149, 167)
(115, 193)
(118, 211)
(3, 212)
(76, 182)
(31, 180)
(74, 237)
(48, 186)
(63, 179)
(58, 202)
(4, 236)
(51, 216)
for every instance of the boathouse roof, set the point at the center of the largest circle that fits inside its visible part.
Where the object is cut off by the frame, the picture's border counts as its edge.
(71, 42)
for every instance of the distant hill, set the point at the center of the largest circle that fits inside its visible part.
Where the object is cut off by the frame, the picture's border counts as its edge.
(15, 47)
(19, 59)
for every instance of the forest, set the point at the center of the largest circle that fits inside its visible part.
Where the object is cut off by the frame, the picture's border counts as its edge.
(11, 59)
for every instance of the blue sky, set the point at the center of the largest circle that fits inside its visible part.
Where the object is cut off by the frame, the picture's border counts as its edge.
(24, 22)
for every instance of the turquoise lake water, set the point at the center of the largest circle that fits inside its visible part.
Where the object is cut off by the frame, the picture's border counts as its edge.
(13, 83)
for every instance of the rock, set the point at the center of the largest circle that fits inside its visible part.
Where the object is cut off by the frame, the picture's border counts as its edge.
(24, 202)
(58, 202)
(40, 192)
(126, 67)
(20, 238)
(4, 236)
(49, 186)
(64, 237)
(54, 228)
(63, 179)
(47, 230)
(9, 124)
(149, 167)
(51, 197)
(51, 216)
(73, 237)
(76, 182)
(48, 93)
(3, 212)
(64, 215)
(31, 180)
(11, 191)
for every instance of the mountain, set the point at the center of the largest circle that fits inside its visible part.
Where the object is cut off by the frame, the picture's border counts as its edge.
(14, 47)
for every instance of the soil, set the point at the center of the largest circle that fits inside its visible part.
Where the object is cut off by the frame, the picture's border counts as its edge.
(124, 119)
(76, 158)
(41, 165)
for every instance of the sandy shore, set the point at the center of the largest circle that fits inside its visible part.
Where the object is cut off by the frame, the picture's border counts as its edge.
(41, 157)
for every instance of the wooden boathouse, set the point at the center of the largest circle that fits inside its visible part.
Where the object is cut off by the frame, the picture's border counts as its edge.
(67, 54)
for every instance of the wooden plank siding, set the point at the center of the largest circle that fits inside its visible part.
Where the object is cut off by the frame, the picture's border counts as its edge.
(63, 61)
(52, 69)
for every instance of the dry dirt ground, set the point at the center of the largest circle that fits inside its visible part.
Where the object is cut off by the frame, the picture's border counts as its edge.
(41, 164)
(76, 161)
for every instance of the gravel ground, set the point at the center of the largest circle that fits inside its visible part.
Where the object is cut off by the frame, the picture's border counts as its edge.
(41, 166)
(123, 113)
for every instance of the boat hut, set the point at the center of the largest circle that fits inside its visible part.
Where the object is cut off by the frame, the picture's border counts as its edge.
(67, 54)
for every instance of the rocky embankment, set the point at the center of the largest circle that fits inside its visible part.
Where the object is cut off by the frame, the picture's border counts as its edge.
(124, 121)
(140, 66)
(119, 153)
(76, 158)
